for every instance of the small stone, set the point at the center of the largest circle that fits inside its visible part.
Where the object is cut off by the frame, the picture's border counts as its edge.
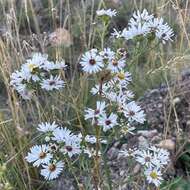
(143, 142)
(148, 134)
(122, 172)
(167, 144)
(112, 153)
(136, 169)
(61, 36)
(116, 144)
(159, 105)
(176, 100)
(188, 122)
(124, 146)
(156, 138)
(171, 170)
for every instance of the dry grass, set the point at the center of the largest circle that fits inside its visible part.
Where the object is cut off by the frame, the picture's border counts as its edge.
(24, 33)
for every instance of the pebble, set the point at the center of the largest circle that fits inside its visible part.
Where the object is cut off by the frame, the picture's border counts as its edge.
(148, 133)
(167, 144)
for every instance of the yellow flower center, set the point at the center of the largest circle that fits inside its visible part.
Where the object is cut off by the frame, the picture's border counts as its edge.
(125, 130)
(121, 75)
(32, 67)
(153, 175)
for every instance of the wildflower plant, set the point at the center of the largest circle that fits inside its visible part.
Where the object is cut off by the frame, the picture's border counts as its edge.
(37, 73)
(142, 24)
(115, 109)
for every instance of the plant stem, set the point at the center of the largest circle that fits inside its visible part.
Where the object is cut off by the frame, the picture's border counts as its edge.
(97, 163)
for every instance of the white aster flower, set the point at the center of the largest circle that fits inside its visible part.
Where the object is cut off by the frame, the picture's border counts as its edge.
(23, 91)
(16, 78)
(21, 88)
(112, 96)
(108, 12)
(39, 58)
(107, 53)
(165, 33)
(60, 64)
(134, 31)
(50, 65)
(29, 71)
(143, 23)
(154, 24)
(103, 88)
(52, 170)
(72, 146)
(153, 157)
(95, 114)
(144, 157)
(123, 96)
(17, 81)
(120, 97)
(92, 139)
(133, 112)
(161, 156)
(26, 94)
(39, 155)
(96, 89)
(114, 90)
(30, 68)
(115, 65)
(153, 176)
(61, 134)
(47, 127)
(161, 29)
(91, 62)
(123, 77)
(108, 122)
(140, 17)
(52, 83)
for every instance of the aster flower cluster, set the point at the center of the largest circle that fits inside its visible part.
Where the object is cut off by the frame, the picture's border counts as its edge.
(106, 12)
(153, 160)
(59, 143)
(143, 24)
(94, 61)
(115, 90)
(38, 71)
